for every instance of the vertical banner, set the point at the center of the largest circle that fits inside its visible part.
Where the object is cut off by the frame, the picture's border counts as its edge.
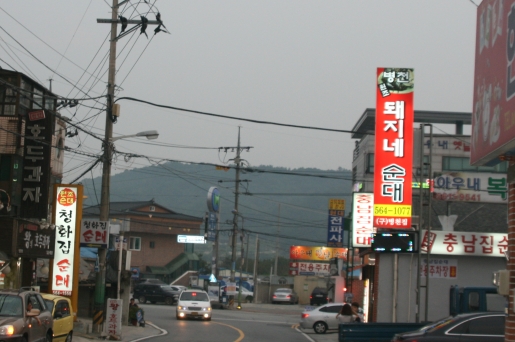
(393, 148)
(68, 212)
(362, 219)
(335, 223)
(113, 326)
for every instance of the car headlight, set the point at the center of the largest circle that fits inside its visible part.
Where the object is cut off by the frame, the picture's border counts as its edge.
(7, 330)
(180, 308)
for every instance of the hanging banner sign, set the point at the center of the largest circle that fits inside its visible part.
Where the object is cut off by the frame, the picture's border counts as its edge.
(94, 233)
(393, 148)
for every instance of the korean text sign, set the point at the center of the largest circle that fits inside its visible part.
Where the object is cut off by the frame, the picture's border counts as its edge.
(65, 230)
(317, 253)
(362, 219)
(335, 224)
(94, 233)
(113, 326)
(465, 243)
(471, 187)
(393, 148)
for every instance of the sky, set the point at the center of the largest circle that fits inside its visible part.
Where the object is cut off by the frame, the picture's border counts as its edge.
(297, 62)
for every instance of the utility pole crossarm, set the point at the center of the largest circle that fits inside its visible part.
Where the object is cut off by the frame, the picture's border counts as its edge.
(129, 21)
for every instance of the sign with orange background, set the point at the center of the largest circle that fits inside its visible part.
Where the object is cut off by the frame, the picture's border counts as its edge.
(317, 253)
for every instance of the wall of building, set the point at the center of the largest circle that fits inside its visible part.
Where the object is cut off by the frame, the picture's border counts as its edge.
(471, 271)
(166, 248)
(304, 285)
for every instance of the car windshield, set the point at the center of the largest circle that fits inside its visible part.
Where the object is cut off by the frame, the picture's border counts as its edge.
(49, 304)
(195, 296)
(11, 306)
(283, 290)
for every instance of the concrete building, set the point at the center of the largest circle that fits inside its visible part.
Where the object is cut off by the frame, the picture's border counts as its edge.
(32, 135)
(468, 207)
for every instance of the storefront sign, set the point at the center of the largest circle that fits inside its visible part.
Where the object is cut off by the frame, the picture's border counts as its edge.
(35, 242)
(362, 219)
(465, 243)
(313, 268)
(471, 187)
(335, 222)
(393, 148)
(66, 228)
(94, 233)
(190, 239)
(113, 325)
(317, 253)
(440, 268)
(36, 165)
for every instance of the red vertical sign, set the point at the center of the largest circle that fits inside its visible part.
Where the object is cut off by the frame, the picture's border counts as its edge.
(393, 148)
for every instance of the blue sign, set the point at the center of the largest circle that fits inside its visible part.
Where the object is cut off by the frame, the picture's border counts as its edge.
(211, 226)
(335, 231)
(213, 199)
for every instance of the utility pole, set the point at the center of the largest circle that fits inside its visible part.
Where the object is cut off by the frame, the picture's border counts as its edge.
(235, 211)
(277, 240)
(256, 256)
(98, 313)
(99, 303)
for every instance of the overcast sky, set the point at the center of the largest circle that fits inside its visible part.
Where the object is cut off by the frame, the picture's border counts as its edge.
(309, 63)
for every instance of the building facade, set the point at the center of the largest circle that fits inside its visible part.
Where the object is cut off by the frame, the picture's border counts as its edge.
(462, 203)
(32, 135)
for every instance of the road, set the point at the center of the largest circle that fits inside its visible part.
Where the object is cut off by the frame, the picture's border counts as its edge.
(254, 323)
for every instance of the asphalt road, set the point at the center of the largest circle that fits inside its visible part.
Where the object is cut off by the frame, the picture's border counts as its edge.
(254, 323)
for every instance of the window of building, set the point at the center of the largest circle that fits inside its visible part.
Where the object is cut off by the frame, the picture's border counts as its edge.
(369, 167)
(38, 99)
(463, 164)
(135, 243)
(425, 167)
(152, 244)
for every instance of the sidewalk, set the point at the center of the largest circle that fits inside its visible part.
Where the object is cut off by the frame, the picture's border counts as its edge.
(82, 331)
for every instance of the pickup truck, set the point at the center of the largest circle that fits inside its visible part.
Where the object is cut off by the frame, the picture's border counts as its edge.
(461, 300)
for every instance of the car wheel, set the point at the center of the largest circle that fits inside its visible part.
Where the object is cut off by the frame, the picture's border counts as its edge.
(69, 337)
(169, 301)
(248, 299)
(24, 339)
(153, 302)
(142, 299)
(320, 327)
(208, 319)
(48, 337)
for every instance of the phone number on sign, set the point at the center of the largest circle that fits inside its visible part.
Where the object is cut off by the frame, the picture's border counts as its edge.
(458, 197)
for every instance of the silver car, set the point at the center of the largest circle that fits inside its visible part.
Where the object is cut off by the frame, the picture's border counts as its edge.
(321, 318)
(285, 295)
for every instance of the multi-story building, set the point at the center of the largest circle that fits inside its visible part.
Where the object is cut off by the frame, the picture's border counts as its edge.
(32, 135)
(465, 207)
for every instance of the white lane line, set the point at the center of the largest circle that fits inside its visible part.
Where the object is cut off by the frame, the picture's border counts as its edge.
(163, 332)
(305, 335)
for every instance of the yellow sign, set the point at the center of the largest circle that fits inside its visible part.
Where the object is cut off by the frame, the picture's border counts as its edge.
(317, 253)
(392, 210)
(336, 204)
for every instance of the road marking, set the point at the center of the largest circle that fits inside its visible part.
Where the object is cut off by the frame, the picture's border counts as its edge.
(163, 332)
(251, 320)
(295, 326)
(305, 335)
(242, 335)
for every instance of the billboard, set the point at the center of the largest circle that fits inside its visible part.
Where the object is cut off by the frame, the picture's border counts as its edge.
(362, 219)
(493, 118)
(393, 148)
(465, 243)
(471, 187)
(317, 253)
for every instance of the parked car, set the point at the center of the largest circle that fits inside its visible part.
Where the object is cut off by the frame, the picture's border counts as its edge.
(154, 293)
(319, 296)
(285, 295)
(178, 288)
(322, 318)
(480, 326)
(17, 323)
(194, 304)
(62, 313)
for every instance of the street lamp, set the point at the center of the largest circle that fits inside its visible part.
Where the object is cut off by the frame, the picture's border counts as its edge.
(104, 214)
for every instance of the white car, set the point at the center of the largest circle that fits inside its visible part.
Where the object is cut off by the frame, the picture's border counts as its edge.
(194, 304)
(178, 288)
(321, 318)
